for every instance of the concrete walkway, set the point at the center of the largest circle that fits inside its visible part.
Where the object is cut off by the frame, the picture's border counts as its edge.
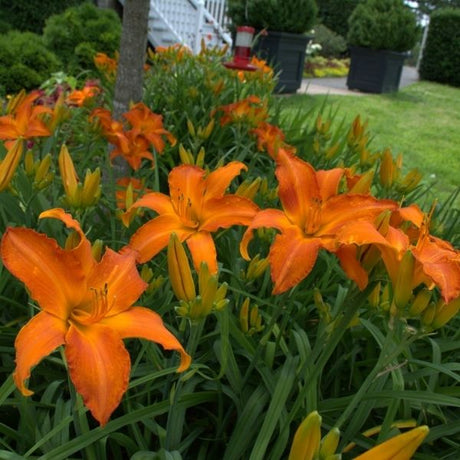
(339, 85)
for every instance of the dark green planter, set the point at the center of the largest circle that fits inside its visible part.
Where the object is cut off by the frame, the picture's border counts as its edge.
(285, 52)
(375, 71)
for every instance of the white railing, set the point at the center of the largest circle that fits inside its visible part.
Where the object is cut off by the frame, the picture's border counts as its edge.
(217, 9)
(188, 21)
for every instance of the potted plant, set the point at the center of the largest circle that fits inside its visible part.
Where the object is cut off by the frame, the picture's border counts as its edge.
(281, 28)
(380, 34)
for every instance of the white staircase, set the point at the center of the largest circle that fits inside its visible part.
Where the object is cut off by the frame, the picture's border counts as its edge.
(188, 22)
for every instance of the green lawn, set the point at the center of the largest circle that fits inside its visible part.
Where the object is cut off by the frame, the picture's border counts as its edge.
(422, 121)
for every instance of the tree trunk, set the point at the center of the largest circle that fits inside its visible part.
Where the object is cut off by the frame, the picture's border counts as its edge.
(133, 45)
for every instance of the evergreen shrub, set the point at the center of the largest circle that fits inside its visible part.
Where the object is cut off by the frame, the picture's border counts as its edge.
(25, 62)
(293, 16)
(383, 25)
(441, 56)
(26, 15)
(80, 32)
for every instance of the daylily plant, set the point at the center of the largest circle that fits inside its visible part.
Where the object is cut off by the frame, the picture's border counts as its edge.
(197, 206)
(314, 216)
(87, 307)
(24, 120)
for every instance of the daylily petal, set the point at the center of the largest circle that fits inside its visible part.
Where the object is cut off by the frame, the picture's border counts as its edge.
(441, 266)
(99, 367)
(153, 236)
(298, 187)
(83, 249)
(292, 258)
(202, 248)
(54, 277)
(328, 182)
(342, 209)
(158, 202)
(119, 273)
(143, 323)
(351, 266)
(186, 184)
(360, 232)
(227, 211)
(271, 218)
(218, 181)
(36, 340)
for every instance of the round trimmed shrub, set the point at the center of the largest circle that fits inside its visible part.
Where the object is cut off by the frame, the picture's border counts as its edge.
(293, 16)
(27, 15)
(383, 25)
(441, 56)
(80, 32)
(25, 62)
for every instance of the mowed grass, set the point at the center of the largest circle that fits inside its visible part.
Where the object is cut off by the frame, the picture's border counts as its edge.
(422, 121)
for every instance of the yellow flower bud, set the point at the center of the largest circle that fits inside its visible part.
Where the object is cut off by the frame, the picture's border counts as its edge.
(186, 156)
(428, 314)
(387, 169)
(248, 189)
(244, 315)
(180, 274)
(43, 168)
(329, 443)
(91, 191)
(96, 249)
(200, 157)
(403, 288)
(445, 312)
(420, 302)
(29, 163)
(69, 177)
(374, 297)
(191, 128)
(10, 163)
(400, 447)
(307, 438)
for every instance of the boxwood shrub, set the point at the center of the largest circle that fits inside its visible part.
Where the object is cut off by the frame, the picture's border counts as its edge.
(441, 55)
(25, 62)
(27, 15)
(80, 32)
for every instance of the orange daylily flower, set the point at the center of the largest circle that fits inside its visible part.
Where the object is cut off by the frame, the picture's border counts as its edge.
(80, 97)
(149, 125)
(437, 262)
(86, 306)
(106, 65)
(24, 121)
(252, 109)
(196, 207)
(314, 216)
(270, 138)
(133, 145)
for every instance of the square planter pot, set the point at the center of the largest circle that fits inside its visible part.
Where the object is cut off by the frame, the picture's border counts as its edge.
(375, 71)
(285, 52)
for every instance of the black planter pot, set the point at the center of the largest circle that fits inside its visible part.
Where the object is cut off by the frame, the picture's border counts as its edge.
(375, 71)
(285, 52)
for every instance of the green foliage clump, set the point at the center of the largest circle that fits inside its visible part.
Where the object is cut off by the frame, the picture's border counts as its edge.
(25, 15)
(332, 44)
(294, 16)
(334, 14)
(441, 56)
(80, 32)
(25, 62)
(383, 25)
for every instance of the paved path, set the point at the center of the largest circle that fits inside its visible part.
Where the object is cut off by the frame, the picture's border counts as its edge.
(339, 85)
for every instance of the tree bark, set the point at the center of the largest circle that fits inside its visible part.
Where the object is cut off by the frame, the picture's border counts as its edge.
(133, 46)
